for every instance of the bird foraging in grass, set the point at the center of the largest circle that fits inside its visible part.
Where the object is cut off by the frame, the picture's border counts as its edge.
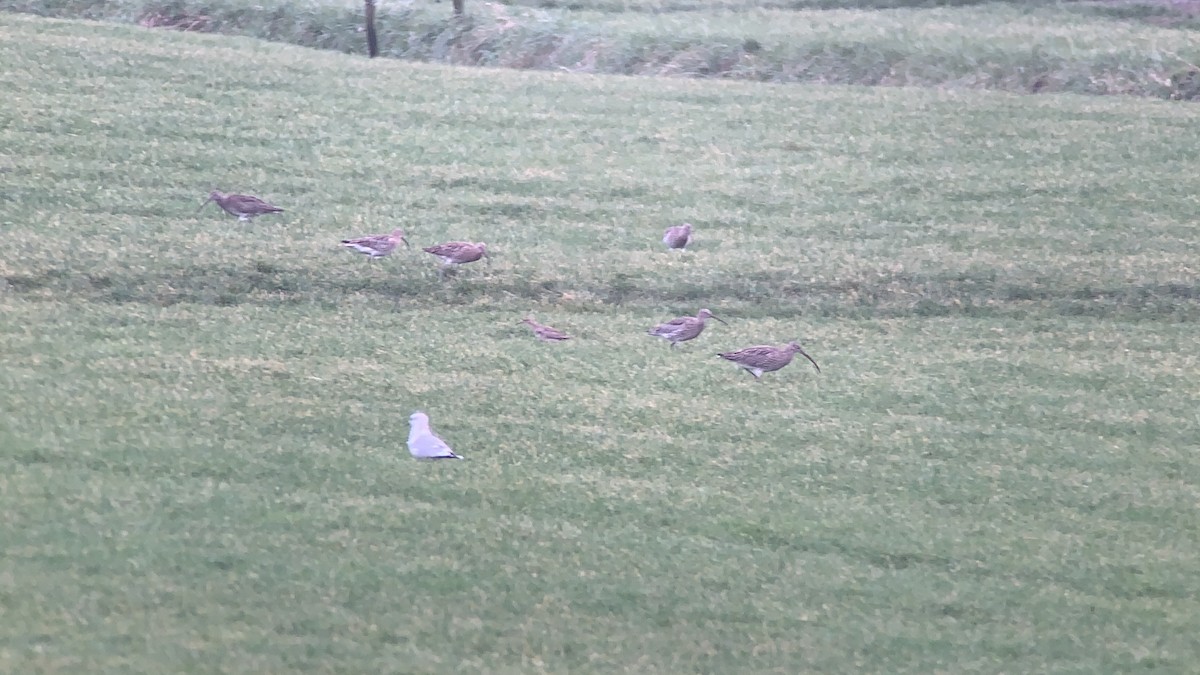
(766, 358)
(456, 253)
(245, 207)
(684, 328)
(376, 245)
(423, 443)
(545, 333)
(678, 236)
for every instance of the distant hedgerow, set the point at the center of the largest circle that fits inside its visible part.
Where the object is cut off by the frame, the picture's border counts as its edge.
(514, 36)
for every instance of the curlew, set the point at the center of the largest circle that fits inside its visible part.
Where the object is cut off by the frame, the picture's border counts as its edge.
(245, 207)
(545, 333)
(766, 358)
(456, 253)
(376, 245)
(678, 236)
(423, 443)
(684, 328)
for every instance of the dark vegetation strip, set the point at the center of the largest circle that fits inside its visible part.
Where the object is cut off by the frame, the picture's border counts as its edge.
(898, 296)
(491, 35)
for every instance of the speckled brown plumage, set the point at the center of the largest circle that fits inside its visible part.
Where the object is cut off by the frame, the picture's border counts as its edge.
(376, 245)
(245, 207)
(543, 332)
(766, 358)
(684, 328)
(678, 236)
(456, 253)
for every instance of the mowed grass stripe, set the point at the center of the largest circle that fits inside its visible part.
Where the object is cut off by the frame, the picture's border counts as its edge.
(203, 437)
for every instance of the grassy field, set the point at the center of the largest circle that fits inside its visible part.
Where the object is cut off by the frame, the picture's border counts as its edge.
(1148, 48)
(202, 462)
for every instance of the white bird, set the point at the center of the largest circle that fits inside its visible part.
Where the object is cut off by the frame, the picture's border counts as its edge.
(423, 443)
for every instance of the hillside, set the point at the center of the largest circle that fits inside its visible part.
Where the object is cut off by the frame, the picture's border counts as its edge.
(1134, 48)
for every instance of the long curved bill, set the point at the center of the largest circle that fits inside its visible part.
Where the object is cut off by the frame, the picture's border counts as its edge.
(805, 354)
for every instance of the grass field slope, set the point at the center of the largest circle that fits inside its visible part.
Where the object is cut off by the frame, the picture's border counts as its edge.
(202, 421)
(1125, 47)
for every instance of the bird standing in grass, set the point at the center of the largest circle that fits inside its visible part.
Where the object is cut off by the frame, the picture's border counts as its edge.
(423, 443)
(678, 236)
(766, 358)
(245, 207)
(456, 253)
(376, 245)
(545, 333)
(684, 328)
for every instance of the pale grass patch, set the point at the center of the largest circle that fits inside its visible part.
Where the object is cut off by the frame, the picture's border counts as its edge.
(610, 486)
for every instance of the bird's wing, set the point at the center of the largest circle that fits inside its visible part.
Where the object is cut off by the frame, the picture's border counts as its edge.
(671, 327)
(749, 354)
(452, 249)
(265, 206)
(250, 202)
(554, 333)
(430, 447)
(674, 323)
(469, 253)
(371, 243)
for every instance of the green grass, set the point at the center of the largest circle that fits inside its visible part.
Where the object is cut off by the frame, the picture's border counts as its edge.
(1138, 49)
(202, 463)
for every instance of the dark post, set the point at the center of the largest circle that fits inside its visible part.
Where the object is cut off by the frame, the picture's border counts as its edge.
(458, 7)
(372, 38)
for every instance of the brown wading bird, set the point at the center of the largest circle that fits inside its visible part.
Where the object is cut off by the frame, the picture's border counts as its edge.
(545, 333)
(456, 253)
(765, 358)
(684, 328)
(245, 207)
(679, 236)
(376, 245)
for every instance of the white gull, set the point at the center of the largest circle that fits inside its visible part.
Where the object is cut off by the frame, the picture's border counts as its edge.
(423, 443)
